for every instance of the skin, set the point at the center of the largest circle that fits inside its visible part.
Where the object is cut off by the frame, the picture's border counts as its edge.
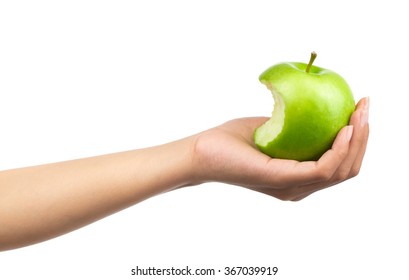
(41, 202)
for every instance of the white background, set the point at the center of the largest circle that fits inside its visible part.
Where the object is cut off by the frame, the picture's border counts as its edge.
(83, 78)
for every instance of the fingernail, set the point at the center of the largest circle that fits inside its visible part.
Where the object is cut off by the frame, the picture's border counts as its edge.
(366, 107)
(348, 134)
(365, 113)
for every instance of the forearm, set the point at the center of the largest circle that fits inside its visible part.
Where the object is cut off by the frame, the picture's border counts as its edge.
(41, 202)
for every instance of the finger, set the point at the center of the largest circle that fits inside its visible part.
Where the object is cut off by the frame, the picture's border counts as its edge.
(365, 127)
(355, 154)
(358, 143)
(358, 161)
(347, 151)
(330, 161)
(305, 191)
(311, 172)
(326, 166)
(300, 197)
(308, 177)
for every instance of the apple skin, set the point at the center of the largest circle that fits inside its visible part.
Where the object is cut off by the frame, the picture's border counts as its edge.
(317, 105)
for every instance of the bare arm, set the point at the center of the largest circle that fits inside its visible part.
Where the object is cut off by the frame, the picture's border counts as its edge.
(41, 202)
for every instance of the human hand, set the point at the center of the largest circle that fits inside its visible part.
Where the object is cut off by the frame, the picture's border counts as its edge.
(227, 153)
(84, 190)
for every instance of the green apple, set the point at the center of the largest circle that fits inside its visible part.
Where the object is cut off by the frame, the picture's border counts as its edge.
(311, 105)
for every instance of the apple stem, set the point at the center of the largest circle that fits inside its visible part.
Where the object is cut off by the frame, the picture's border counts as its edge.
(313, 56)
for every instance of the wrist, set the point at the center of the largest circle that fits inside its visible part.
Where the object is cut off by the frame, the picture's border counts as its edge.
(186, 166)
(177, 163)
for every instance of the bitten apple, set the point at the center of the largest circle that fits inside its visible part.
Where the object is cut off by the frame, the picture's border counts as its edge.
(311, 105)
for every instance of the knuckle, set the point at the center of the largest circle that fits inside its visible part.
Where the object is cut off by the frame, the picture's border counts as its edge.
(298, 198)
(342, 154)
(341, 175)
(294, 194)
(285, 195)
(324, 174)
(345, 174)
(354, 171)
(286, 198)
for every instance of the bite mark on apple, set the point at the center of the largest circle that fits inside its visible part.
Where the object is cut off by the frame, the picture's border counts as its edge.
(272, 128)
